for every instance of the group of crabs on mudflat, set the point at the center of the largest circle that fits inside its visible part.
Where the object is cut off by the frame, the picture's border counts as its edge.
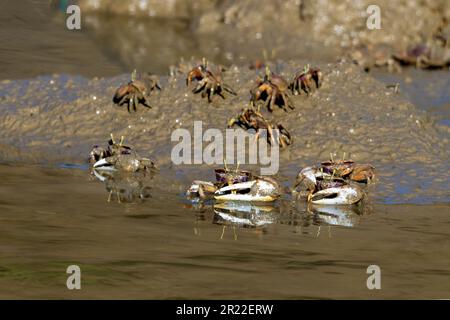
(331, 182)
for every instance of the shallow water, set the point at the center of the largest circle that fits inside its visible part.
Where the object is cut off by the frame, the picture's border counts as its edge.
(145, 240)
(158, 248)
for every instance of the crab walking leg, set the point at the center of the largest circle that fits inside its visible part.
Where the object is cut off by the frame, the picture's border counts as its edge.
(128, 105)
(267, 104)
(255, 139)
(210, 93)
(109, 196)
(146, 103)
(290, 104)
(298, 90)
(270, 135)
(228, 89)
(123, 100)
(285, 102)
(273, 99)
(200, 85)
(221, 94)
(135, 102)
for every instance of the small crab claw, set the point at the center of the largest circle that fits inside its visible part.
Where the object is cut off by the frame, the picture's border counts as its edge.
(104, 164)
(258, 190)
(306, 176)
(338, 196)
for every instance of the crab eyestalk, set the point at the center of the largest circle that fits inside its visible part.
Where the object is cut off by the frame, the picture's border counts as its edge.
(133, 75)
(306, 69)
(267, 75)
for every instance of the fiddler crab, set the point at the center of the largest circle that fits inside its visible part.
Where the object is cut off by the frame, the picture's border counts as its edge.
(273, 90)
(303, 80)
(235, 185)
(334, 182)
(119, 157)
(209, 80)
(250, 118)
(136, 91)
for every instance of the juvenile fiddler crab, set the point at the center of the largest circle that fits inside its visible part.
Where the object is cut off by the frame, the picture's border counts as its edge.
(250, 118)
(235, 185)
(303, 80)
(137, 91)
(334, 182)
(119, 157)
(209, 80)
(273, 90)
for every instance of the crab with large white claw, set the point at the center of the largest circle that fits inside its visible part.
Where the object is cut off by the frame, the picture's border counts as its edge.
(258, 190)
(125, 162)
(343, 195)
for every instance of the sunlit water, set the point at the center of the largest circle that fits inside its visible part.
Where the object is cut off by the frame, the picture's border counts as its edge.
(160, 246)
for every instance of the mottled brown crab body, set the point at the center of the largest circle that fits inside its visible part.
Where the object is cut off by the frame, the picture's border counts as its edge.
(197, 74)
(273, 91)
(136, 92)
(252, 119)
(363, 173)
(209, 81)
(303, 81)
(347, 169)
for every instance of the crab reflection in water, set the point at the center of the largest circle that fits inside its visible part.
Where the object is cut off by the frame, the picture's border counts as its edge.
(125, 187)
(244, 215)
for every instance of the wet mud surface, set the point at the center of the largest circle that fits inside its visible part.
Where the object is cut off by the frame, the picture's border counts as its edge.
(161, 249)
(56, 120)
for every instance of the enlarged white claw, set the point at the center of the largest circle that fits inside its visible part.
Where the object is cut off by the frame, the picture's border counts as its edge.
(338, 196)
(102, 164)
(259, 190)
(310, 174)
(237, 186)
(99, 176)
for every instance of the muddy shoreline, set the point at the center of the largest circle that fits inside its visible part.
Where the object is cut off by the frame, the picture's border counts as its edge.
(56, 120)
